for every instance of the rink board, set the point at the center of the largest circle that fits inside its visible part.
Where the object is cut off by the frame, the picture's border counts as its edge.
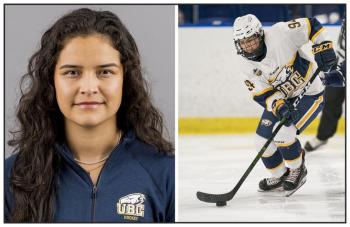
(234, 125)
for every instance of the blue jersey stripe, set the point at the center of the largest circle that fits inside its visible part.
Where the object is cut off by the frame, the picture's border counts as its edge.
(301, 65)
(261, 99)
(315, 27)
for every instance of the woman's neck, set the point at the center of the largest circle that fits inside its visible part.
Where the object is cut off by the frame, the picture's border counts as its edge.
(91, 144)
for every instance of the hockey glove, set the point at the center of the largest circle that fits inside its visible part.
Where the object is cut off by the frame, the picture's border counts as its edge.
(282, 109)
(324, 55)
(335, 78)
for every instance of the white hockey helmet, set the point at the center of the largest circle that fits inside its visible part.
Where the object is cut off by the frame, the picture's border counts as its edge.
(245, 27)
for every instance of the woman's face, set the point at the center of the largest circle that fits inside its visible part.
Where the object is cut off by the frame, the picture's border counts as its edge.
(88, 81)
(251, 44)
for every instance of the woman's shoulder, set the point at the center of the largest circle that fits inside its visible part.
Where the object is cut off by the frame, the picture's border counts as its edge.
(151, 154)
(160, 166)
(145, 151)
(9, 200)
(156, 163)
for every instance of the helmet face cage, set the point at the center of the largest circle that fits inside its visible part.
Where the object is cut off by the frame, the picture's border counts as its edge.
(257, 53)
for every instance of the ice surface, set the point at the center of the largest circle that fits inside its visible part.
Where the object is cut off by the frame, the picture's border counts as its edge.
(215, 163)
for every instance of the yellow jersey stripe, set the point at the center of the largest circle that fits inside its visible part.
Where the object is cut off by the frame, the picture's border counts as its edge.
(264, 155)
(268, 99)
(316, 34)
(308, 114)
(285, 144)
(307, 75)
(291, 62)
(263, 91)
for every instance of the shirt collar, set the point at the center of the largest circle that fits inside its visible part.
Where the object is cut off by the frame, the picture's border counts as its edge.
(63, 149)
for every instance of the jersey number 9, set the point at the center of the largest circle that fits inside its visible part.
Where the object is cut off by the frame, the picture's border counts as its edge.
(293, 24)
(249, 84)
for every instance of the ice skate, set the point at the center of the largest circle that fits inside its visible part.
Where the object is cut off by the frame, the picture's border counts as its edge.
(272, 184)
(314, 144)
(296, 178)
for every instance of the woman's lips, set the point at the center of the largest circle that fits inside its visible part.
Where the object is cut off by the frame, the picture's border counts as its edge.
(89, 105)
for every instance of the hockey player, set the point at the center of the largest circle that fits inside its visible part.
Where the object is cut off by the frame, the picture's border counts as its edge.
(334, 98)
(276, 70)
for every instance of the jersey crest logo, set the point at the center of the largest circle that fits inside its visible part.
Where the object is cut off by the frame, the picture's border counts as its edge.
(257, 72)
(132, 206)
(266, 122)
(287, 81)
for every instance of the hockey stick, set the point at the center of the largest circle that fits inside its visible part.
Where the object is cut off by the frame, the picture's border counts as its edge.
(221, 199)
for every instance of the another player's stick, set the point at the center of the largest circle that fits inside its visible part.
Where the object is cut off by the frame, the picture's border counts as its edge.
(221, 199)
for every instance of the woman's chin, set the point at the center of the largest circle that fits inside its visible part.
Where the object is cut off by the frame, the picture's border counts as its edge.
(88, 123)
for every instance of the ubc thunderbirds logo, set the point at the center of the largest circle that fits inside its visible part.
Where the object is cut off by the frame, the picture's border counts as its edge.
(266, 122)
(131, 206)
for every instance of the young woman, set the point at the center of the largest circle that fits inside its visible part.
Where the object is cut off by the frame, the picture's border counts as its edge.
(90, 145)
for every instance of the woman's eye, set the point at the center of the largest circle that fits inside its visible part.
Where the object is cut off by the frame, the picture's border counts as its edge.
(106, 73)
(72, 73)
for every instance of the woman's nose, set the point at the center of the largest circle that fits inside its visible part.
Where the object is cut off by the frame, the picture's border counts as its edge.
(89, 84)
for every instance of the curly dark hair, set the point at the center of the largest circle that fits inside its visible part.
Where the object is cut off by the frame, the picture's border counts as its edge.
(40, 120)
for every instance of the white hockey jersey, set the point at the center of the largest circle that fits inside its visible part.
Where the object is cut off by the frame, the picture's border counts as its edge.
(286, 68)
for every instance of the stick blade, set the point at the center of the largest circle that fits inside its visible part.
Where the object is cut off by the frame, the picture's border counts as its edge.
(214, 198)
(205, 197)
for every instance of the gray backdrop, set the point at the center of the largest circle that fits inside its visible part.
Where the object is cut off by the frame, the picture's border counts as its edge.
(152, 26)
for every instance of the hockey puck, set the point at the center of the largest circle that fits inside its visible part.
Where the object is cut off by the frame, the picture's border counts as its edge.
(221, 203)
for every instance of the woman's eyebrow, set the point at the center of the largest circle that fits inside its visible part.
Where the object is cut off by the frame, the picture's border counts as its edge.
(70, 66)
(79, 66)
(108, 65)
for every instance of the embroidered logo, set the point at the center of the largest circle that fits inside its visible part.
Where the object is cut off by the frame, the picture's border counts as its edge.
(132, 206)
(266, 122)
